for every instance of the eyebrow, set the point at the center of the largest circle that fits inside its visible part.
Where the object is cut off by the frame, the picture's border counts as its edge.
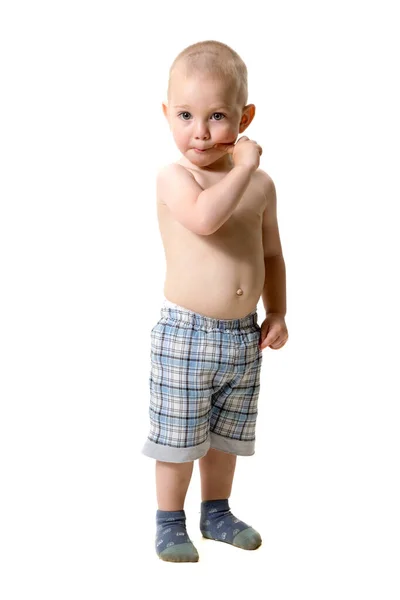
(214, 108)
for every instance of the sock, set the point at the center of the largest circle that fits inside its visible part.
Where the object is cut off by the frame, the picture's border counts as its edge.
(172, 541)
(218, 523)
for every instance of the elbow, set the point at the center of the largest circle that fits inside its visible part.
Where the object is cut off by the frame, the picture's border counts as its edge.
(204, 227)
(204, 231)
(208, 228)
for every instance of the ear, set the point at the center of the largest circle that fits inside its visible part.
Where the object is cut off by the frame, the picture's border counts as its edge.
(165, 110)
(247, 116)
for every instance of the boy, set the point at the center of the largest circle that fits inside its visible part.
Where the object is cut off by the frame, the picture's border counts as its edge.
(218, 221)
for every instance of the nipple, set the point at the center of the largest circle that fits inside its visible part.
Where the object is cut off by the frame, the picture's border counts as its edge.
(239, 292)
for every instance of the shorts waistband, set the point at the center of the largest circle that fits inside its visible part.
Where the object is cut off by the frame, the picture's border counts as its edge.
(173, 311)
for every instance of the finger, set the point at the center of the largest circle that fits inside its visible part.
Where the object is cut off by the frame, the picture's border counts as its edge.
(270, 339)
(225, 147)
(279, 343)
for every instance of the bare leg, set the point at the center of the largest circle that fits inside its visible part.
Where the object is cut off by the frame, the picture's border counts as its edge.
(216, 470)
(172, 482)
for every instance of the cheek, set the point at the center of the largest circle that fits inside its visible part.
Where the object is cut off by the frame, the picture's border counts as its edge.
(226, 133)
(179, 137)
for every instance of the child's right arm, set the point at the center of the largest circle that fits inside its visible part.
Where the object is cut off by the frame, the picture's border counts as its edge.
(179, 190)
(205, 211)
(218, 202)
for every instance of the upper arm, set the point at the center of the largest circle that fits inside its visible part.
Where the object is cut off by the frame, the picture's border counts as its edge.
(179, 190)
(270, 231)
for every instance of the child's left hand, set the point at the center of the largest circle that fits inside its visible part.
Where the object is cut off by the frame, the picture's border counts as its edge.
(273, 332)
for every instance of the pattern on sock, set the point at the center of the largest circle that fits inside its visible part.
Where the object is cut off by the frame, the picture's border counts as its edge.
(218, 523)
(172, 540)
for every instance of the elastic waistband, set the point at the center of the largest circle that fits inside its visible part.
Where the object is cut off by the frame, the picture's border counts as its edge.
(173, 311)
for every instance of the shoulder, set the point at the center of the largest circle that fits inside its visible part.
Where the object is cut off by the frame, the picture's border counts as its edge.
(169, 177)
(268, 187)
(172, 170)
(265, 178)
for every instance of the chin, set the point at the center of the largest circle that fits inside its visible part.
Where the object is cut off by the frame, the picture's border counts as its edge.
(202, 162)
(194, 157)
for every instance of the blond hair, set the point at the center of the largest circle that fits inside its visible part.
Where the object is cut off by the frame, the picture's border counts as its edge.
(216, 59)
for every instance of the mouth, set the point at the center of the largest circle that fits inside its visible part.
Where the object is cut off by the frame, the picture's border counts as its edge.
(201, 151)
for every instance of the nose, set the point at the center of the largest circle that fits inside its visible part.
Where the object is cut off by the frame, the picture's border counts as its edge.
(201, 131)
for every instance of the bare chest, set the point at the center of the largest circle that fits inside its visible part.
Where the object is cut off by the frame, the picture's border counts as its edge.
(205, 272)
(244, 223)
(241, 233)
(252, 203)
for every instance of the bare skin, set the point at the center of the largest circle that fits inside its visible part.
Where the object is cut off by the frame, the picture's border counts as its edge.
(172, 479)
(172, 482)
(221, 274)
(229, 264)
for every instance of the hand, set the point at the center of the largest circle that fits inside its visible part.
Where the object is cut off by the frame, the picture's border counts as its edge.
(245, 152)
(273, 332)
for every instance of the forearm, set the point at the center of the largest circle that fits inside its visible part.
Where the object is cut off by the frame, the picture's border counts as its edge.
(274, 292)
(217, 203)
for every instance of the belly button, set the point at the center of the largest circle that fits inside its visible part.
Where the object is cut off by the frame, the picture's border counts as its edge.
(239, 292)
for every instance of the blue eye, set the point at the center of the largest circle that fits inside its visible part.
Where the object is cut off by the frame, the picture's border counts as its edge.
(185, 116)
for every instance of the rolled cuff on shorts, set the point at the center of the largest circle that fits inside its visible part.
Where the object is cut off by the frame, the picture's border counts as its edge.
(173, 454)
(241, 448)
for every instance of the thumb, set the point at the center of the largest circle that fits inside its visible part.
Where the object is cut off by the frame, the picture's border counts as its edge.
(266, 337)
(269, 339)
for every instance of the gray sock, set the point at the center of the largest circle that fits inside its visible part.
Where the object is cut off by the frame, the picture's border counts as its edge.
(172, 541)
(218, 523)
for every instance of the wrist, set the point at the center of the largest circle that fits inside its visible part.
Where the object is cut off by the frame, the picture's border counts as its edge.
(246, 168)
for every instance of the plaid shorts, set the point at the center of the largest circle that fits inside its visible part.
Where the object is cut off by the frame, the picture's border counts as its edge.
(204, 385)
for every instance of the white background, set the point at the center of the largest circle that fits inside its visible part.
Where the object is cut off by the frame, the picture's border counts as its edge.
(82, 273)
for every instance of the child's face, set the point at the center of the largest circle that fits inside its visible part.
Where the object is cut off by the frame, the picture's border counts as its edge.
(201, 113)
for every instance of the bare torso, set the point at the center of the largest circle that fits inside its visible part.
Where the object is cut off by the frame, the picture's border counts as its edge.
(219, 275)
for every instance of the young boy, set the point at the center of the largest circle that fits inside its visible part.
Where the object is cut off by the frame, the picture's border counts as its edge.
(218, 221)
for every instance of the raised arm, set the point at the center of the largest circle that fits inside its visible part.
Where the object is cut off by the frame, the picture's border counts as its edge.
(201, 211)
(179, 190)
(218, 202)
